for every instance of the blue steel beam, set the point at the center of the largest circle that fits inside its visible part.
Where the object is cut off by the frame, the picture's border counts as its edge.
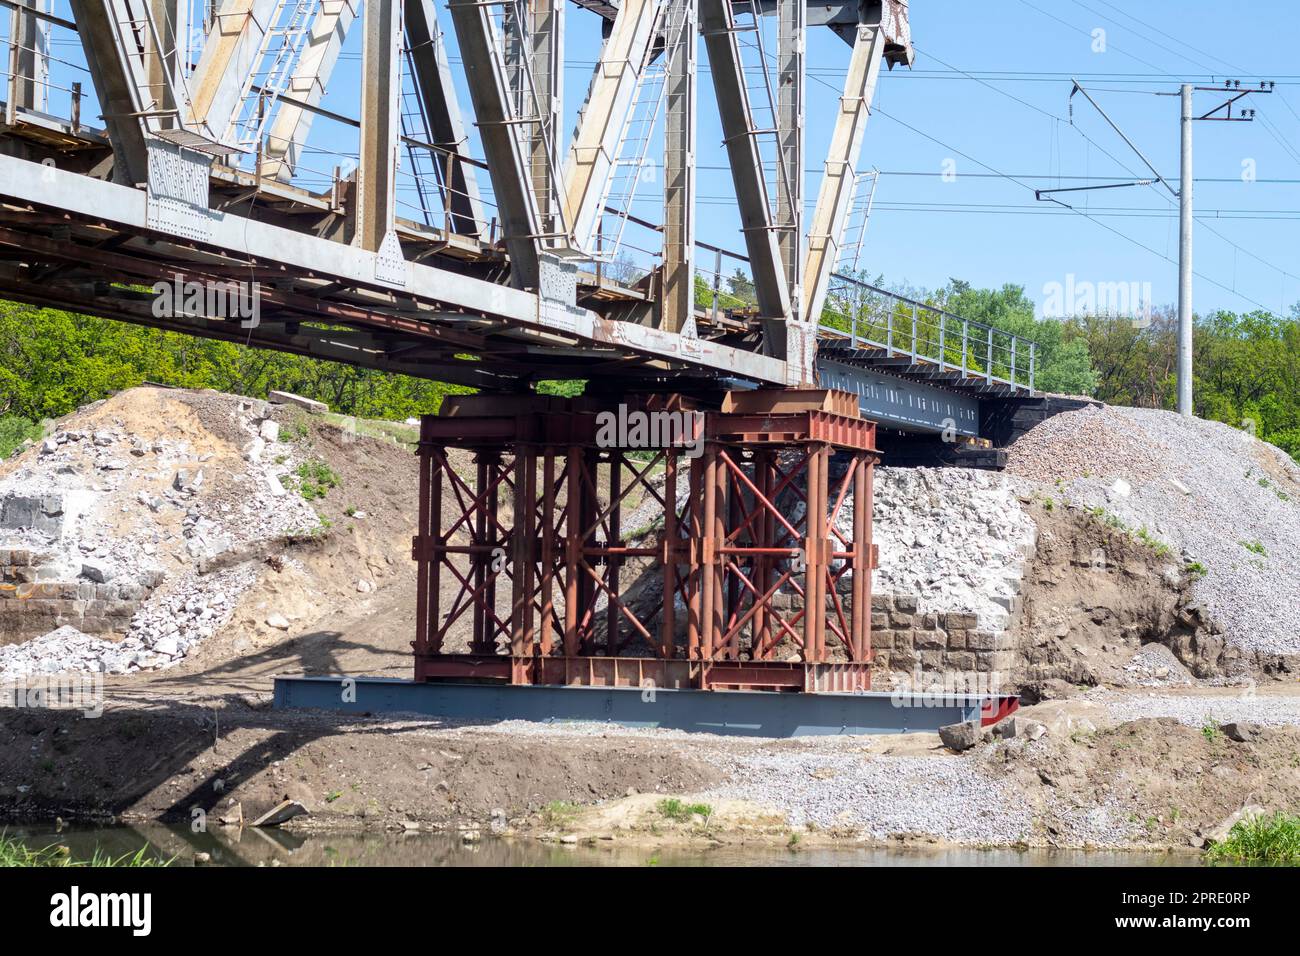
(733, 713)
(904, 405)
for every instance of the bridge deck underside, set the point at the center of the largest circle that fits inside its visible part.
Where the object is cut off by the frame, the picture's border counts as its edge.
(74, 242)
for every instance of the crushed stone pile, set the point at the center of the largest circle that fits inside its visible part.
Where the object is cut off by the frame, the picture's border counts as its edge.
(1226, 503)
(957, 538)
(141, 515)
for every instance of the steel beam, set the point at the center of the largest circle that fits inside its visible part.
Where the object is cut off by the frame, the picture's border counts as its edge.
(437, 92)
(790, 146)
(166, 64)
(905, 405)
(239, 35)
(605, 114)
(677, 300)
(381, 99)
(29, 58)
(546, 42)
(736, 713)
(85, 198)
(503, 146)
(292, 124)
(116, 50)
(718, 26)
(835, 197)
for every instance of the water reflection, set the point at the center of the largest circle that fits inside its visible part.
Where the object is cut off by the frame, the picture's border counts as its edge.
(269, 847)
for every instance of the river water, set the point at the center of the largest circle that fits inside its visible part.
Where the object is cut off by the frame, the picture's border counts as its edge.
(267, 847)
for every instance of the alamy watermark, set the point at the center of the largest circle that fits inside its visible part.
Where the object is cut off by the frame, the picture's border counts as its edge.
(209, 300)
(1063, 300)
(638, 429)
(83, 692)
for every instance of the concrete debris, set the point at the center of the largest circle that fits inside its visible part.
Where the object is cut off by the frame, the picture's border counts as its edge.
(1241, 731)
(68, 650)
(282, 812)
(277, 621)
(288, 398)
(97, 571)
(961, 736)
(1020, 727)
(125, 535)
(957, 538)
(1224, 829)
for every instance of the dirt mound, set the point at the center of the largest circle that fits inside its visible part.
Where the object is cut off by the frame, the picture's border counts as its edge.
(1220, 500)
(1160, 780)
(1095, 596)
(345, 770)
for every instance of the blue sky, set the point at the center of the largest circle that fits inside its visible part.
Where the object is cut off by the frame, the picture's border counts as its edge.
(982, 121)
(1020, 125)
(989, 95)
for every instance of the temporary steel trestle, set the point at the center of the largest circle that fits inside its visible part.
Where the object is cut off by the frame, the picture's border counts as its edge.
(757, 577)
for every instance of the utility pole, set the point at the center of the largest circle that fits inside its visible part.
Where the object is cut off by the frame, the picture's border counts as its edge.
(1185, 259)
(1223, 113)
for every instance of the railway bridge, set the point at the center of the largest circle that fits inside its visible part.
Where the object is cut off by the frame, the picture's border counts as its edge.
(434, 220)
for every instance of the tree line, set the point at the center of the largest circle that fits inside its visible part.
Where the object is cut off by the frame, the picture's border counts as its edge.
(1247, 365)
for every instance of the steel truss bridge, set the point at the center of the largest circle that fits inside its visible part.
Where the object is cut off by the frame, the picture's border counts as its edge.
(443, 227)
(148, 141)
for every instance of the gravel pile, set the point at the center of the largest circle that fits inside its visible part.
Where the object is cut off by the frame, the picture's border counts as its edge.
(955, 537)
(952, 798)
(1197, 711)
(1155, 665)
(1213, 493)
(67, 649)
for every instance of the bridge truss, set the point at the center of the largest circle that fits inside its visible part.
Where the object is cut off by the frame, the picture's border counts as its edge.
(150, 139)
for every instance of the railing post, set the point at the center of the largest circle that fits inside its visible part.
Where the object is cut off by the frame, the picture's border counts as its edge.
(853, 330)
(965, 336)
(889, 331)
(1013, 361)
(942, 323)
(988, 364)
(717, 279)
(1033, 349)
(913, 335)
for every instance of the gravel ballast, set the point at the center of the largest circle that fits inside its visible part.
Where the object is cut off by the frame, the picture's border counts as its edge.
(1201, 711)
(950, 798)
(1214, 494)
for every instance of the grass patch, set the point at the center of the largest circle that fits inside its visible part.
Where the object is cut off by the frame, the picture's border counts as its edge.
(680, 812)
(15, 430)
(15, 854)
(1255, 547)
(1269, 840)
(314, 479)
(1196, 569)
(559, 813)
(1116, 523)
(1210, 730)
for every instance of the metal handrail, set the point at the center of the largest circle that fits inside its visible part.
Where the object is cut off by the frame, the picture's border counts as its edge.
(932, 335)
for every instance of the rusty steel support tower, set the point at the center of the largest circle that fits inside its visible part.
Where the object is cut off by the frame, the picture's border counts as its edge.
(758, 578)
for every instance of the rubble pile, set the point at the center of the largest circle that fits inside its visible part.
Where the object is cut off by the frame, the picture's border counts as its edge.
(128, 535)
